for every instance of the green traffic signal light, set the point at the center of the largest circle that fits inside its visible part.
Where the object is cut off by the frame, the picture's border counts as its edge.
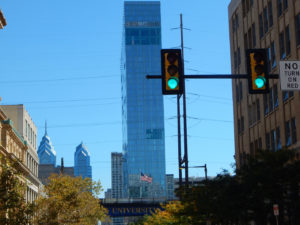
(173, 82)
(260, 81)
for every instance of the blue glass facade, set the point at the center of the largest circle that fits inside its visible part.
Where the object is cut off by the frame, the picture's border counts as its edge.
(46, 152)
(82, 163)
(142, 101)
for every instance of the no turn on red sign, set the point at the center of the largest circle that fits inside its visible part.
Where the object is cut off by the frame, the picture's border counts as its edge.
(289, 73)
(276, 210)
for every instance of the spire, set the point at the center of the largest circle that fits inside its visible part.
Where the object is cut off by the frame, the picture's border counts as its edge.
(46, 133)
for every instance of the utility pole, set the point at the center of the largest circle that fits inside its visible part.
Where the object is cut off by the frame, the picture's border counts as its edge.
(185, 158)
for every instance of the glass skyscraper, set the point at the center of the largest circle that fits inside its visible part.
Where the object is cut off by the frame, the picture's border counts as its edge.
(142, 101)
(82, 165)
(46, 152)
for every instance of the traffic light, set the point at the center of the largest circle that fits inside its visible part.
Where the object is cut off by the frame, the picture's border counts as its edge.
(257, 71)
(171, 72)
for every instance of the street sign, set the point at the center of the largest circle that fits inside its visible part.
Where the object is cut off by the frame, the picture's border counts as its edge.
(276, 210)
(289, 73)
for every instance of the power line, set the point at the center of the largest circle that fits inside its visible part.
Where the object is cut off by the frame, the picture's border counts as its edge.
(118, 141)
(57, 79)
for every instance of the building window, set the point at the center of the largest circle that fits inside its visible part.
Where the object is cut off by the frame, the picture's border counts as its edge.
(287, 40)
(268, 141)
(288, 140)
(259, 143)
(235, 60)
(285, 95)
(266, 26)
(273, 55)
(253, 35)
(285, 4)
(246, 46)
(271, 100)
(294, 131)
(251, 148)
(241, 90)
(258, 109)
(233, 24)
(26, 128)
(279, 7)
(269, 59)
(266, 105)
(242, 124)
(281, 45)
(273, 140)
(278, 142)
(261, 26)
(237, 93)
(275, 93)
(270, 12)
(238, 56)
(236, 21)
(298, 28)
(250, 115)
(250, 37)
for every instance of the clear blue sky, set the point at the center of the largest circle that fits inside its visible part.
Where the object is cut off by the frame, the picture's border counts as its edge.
(61, 59)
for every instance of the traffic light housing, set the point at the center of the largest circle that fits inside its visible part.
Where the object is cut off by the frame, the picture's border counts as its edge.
(258, 77)
(171, 71)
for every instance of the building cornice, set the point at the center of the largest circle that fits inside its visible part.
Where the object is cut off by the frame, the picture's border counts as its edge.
(2, 20)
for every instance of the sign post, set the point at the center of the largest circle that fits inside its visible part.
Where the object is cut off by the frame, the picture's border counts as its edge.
(289, 73)
(276, 212)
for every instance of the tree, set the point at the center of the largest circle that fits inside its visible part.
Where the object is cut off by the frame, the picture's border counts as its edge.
(69, 200)
(265, 179)
(13, 207)
(171, 214)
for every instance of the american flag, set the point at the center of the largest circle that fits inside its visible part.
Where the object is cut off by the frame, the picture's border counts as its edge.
(144, 177)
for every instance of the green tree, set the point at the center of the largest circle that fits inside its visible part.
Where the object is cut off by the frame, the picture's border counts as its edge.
(13, 207)
(69, 200)
(265, 179)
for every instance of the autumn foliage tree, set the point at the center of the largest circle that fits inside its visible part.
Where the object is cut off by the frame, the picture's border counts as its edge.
(14, 210)
(170, 215)
(69, 200)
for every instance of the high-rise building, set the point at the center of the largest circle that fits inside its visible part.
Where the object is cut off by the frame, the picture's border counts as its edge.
(142, 101)
(26, 130)
(264, 121)
(170, 187)
(82, 165)
(116, 175)
(46, 152)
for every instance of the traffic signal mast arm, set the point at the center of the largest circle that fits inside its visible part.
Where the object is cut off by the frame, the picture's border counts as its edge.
(214, 76)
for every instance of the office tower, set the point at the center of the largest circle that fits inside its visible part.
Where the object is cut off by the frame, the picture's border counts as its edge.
(264, 121)
(142, 101)
(46, 152)
(82, 165)
(170, 187)
(27, 131)
(116, 175)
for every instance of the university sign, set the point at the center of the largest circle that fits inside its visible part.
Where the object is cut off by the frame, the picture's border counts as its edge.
(131, 209)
